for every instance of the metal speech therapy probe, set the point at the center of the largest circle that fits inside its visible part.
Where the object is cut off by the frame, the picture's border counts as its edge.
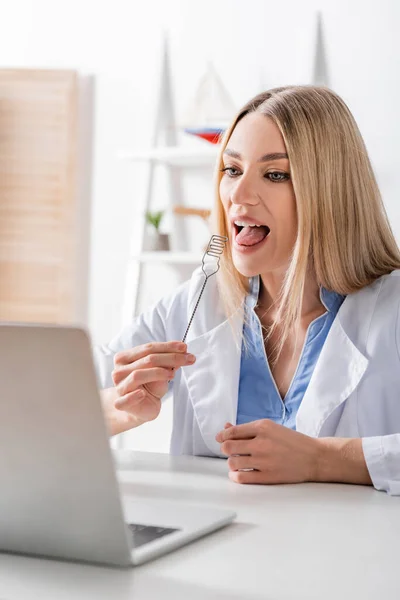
(210, 266)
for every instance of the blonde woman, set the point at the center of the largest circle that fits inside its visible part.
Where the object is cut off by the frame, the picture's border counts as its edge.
(292, 367)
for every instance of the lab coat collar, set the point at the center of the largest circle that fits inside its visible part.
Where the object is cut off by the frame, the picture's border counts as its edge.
(337, 373)
(213, 381)
(342, 362)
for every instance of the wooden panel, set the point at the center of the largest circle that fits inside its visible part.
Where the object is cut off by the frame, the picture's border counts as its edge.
(38, 141)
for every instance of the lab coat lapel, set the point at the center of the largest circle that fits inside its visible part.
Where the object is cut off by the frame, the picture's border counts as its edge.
(213, 381)
(337, 373)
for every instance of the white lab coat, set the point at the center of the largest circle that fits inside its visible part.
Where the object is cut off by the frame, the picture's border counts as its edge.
(354, 391)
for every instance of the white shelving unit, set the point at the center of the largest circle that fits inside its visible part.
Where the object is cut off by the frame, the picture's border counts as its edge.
(174, 158)
(183, 258)
(179, 156)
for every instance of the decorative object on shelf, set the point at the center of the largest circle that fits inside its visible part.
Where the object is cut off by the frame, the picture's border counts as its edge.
(155, 241)
(211, 110)
(204, 213)
(320, 68)
(210, 134)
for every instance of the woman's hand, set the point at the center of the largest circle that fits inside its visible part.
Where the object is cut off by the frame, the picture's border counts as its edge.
(141, 377)
(277, 454)
(272, 453)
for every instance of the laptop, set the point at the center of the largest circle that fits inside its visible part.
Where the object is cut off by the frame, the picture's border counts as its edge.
(60, 496)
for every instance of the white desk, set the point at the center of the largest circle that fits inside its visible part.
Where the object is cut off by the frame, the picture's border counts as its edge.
(310, 541)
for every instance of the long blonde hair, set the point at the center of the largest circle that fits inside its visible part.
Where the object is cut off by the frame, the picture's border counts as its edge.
(343, 230)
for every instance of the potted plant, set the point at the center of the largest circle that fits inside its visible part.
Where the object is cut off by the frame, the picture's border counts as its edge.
(155, 240)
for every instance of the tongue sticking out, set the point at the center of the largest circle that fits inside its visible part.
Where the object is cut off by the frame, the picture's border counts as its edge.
(250, 236)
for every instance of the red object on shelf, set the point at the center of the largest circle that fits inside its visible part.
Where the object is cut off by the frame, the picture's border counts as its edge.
(212, 135)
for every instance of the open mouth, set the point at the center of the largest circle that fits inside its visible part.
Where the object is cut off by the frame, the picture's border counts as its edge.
(247, 234)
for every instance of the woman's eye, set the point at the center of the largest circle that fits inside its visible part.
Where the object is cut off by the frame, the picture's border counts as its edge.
(231, 171)
(277, 176)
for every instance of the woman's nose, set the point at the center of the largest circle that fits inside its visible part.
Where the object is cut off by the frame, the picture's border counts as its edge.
(243, 193)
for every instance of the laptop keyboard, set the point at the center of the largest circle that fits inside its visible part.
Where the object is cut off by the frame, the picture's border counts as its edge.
(143, 534)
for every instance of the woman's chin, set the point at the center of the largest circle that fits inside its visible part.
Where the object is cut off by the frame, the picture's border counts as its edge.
(245, 268)
(250, 260)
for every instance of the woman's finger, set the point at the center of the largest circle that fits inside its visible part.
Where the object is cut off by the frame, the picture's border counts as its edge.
(131, 399)
(250, 477)
(123, 372)
(151, 393)
(133, 354)
(169, 360)
(241, 462)
(238, 432)
(138, 378)
(231, 447)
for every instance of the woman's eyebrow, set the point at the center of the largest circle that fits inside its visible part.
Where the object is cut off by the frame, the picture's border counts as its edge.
(265, 158)
(273, 156)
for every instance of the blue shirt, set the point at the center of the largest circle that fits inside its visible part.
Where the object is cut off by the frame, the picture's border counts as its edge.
(259, 397)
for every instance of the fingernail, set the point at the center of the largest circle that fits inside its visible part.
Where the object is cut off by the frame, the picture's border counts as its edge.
(190, 359)
(180, 346)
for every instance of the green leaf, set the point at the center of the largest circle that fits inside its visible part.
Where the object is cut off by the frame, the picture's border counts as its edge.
(154, 218)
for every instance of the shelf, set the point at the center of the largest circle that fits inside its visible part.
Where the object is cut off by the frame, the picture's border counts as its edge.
(176, 155)
(183, 258)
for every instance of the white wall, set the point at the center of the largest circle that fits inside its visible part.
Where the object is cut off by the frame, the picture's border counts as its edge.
(254, 45)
